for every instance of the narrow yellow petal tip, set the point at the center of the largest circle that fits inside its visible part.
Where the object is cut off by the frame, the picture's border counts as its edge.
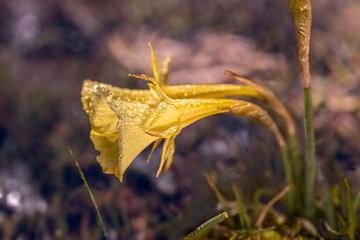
(155, 68)
(164, 76)
(156, 144)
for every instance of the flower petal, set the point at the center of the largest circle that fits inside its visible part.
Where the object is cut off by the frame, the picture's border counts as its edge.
(155, 145)
(103, 129)
(168, 150)
(192, 110)
(209, 91)
(132, 140)
(170, 156)
(125, 94)
(165, 121)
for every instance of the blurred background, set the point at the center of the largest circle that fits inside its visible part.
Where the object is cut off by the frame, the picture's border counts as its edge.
(47, 48)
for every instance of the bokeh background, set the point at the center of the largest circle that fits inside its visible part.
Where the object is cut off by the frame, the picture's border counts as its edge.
(47, 48)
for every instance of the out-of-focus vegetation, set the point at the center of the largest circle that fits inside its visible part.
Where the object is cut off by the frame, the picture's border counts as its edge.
(48, 48)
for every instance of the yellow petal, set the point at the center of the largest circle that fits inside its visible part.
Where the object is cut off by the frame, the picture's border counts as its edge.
(102, 119)
(130, 95)
(164, 122)
(109, 153)
(209, 91)
(192, 110)
(170, 156)
(164, 76)
(174, 92)
(155, 145)
(166, 147)
(132, 140)
(155, 68)
(103, 129)
(155, 86)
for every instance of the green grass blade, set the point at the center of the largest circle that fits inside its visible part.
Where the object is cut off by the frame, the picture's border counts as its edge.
(329, 207)
(291, 201)
(101, 222)
(357, 202)
(219, 197)
(296, 160)
(206, 226)
(243, 218)
(327, 199)
(350, 209)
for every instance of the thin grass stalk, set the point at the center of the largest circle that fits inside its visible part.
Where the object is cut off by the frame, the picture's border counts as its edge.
(220, 198)
(101, 222)
(329, 207)
(296, 161)
(351, 211)
(328, 201)
(357, 201)
(290, 198)
(206, 226)
(296, 165)
(243, 218)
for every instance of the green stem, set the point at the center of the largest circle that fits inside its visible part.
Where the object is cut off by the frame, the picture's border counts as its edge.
(296, 170)
(289, 180)
(351, 211)
(243, 218)
(310, 160)
(295, 159)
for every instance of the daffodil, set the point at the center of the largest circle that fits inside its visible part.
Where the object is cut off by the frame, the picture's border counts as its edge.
(124, 122)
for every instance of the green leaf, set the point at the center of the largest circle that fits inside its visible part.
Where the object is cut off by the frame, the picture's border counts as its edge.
(351, 211)
(219, 196)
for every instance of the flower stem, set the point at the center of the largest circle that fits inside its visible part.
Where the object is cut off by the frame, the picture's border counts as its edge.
(289, 180)
(302, 14)
(310, 161)
(296, 170)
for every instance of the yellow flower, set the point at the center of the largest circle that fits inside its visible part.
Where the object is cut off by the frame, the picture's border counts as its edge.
(124, 122)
